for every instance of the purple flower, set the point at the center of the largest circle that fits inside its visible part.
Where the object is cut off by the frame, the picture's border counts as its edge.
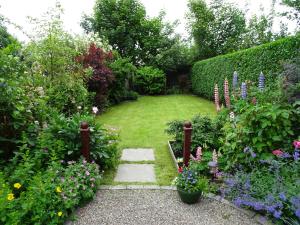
(282, 196)
(261, 81)
(258, 206)
(253, 154)
(230, 182)
(271, 208)
(238, 202)
(244, 90)
(296, 155)
(277, 214)
(286, 155)
(297, 213)
(296, 202)
(235, 80)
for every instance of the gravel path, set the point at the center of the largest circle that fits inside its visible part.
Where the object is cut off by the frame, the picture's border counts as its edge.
(156, 207)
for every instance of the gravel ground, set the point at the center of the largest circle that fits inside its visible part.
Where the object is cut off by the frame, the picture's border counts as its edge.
(155, 207)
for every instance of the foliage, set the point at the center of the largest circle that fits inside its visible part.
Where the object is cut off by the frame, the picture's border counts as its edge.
(58, 191)
(102, 77)
(5, 38)
(262, 128)
(271, 188)
(294, 14)
(61, 139)
(124, 72)
(205, 134)
(217, 28)
(134, 35)
(149, 80)
(191, 181)
(249, 63)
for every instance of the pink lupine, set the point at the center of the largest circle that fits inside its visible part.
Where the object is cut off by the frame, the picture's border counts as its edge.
(226, 93)
(217, 98)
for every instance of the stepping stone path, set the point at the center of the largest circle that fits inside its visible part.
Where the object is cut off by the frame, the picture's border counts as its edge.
(136, 172)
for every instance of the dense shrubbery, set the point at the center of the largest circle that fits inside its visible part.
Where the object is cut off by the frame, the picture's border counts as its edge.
(57, 190)
(205, 133)
(149, 80)
(267, 58)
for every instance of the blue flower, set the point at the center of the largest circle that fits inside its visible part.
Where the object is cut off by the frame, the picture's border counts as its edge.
(282, 196)
(244, 90)
(297, 213)
(238, 202)
(296, 202)
(270, 208)
(296, 155)
(235, 80)
(261, 81)
(277, 214)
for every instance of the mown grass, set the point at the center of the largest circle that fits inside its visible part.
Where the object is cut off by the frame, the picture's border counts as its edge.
(142, 123)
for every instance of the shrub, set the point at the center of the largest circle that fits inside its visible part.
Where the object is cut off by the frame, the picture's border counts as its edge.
(205, 134)
(124, 72)
(58, 190)
(102, 76)
(149, 80)
(61, 139)
(249, 63)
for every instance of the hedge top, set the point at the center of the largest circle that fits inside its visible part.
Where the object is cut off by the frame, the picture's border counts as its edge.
(268, 58)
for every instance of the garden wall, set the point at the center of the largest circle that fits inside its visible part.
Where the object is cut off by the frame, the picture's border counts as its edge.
(268, 58)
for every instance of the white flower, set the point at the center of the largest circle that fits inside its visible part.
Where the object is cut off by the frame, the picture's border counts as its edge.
(95, 110)
(231, 115)
(78, 107)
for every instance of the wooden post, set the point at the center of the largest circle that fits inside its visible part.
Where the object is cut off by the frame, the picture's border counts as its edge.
(85, 140)
(187, 142)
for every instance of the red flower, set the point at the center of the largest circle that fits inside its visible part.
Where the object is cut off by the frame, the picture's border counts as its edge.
(277, 152)
(180, 169)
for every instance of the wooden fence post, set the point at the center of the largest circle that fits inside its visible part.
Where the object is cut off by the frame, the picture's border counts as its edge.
(187, 142)
(85, 140)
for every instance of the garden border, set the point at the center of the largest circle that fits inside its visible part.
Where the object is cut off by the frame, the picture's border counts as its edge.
(172, 154)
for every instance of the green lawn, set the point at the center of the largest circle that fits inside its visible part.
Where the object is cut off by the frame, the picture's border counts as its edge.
(142, 123)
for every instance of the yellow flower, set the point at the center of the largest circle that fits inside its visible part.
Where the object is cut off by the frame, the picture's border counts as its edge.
(10, 197)
(17, 185)
(59, 213)
(58, 190)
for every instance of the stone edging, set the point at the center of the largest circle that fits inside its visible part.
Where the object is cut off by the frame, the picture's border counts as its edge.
(257, 217)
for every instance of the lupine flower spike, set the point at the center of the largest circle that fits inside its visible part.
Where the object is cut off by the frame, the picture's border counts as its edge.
(226, 93)
(261, 81)
(244, 90)
(215, 156)
(235, 80)
(217, 98)
(198, 155)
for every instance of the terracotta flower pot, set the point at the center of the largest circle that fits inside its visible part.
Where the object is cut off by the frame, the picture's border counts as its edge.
(189, 197)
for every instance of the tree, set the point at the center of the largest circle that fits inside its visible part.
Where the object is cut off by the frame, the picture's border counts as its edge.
(5, 37)
(294, 14)
(129, 31)
(217, 28)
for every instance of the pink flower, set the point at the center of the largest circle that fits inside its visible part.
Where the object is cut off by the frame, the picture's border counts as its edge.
(87, 173)
(296, 144)
(277, 152)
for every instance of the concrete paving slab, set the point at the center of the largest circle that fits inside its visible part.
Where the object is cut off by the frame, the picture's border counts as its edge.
(135, 173)
(137, 154)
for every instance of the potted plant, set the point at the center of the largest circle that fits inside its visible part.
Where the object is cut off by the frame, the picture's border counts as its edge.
(190, 185)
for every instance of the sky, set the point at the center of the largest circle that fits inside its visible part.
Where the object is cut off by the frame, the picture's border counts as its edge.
(18, 11)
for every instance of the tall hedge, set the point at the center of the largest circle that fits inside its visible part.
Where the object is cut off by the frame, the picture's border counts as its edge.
(268, 58)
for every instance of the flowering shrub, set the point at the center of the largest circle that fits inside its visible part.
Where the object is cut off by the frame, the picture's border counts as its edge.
(57, 191)
(190, 180)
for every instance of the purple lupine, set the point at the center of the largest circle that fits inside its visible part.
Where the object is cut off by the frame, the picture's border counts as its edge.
(235, 80)
(261, 81)
(244, 90)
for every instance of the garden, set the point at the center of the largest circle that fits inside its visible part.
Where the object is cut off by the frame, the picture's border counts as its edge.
(221, 112)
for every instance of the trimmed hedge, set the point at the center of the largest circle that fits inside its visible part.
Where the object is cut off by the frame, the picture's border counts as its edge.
(268, 58)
